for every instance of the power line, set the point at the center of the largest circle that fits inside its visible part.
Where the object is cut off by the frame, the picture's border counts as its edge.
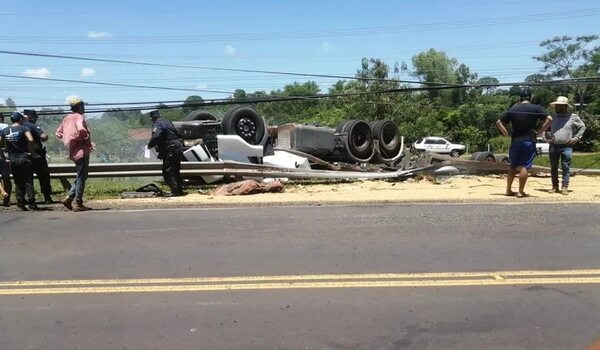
(592, 80)
(114, 84)
(229, 101)
(221, 69)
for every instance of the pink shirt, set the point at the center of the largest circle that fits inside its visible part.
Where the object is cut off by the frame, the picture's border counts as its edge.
(75, 135)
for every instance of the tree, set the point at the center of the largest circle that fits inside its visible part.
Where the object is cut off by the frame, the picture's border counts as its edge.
(239, 94)
(434, 66)
(490, 82)
(537, 77)
(565, 56)
(191, 103)
(10, 103)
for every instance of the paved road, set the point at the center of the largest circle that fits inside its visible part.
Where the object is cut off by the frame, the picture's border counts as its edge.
(363, 277)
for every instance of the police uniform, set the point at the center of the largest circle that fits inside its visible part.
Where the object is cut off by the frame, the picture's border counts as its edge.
(5, 170)
(38, 160)
(18, 152)
(167, 141)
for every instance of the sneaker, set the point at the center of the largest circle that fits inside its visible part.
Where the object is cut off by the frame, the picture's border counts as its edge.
(564, 191)
(68, 202)
(554, 190)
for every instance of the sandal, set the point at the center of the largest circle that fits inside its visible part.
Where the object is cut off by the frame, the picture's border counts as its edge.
(522, 195)
(510, 194)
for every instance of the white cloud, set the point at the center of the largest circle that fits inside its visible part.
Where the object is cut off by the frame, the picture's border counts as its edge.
(88, 72)
(68, 98)
(2, 102)
(98, 35)
(36, 72)
(202, 86)
(326, 47)
(230, 50)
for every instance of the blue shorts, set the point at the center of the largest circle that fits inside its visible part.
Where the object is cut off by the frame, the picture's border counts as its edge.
(521, 154)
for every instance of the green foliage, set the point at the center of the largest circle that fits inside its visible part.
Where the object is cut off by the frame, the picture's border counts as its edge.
(113, 143)
(591, 138)
(191, 104)
(499, 144)
(580, 160)
(568, 57)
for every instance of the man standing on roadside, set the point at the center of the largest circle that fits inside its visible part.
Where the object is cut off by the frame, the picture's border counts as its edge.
(566, 130)
(20, 146)
(170, 149)
(524, 118)
(4, 170)
(76, 137)
(38, 160)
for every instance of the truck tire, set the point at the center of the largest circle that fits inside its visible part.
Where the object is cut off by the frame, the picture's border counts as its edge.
(246, 123)
(200, 115)
(359, 139)
(484, 157)
(388, 137)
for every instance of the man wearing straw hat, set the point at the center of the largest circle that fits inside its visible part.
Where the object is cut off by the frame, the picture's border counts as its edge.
(565, 131)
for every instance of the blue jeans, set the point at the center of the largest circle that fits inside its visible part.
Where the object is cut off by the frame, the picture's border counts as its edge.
(81, 166)
(563, 153)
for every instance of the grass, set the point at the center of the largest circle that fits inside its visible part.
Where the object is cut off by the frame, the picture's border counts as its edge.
(580, 160)
(101, 188)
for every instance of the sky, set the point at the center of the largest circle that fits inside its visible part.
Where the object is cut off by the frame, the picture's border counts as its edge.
(493, 37)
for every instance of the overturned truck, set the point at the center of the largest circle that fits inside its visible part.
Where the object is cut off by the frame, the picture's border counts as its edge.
(244, 136)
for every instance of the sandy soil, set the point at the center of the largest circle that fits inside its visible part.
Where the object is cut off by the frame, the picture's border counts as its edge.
(454, 189)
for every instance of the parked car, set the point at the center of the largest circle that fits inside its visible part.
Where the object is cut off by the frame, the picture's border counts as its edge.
(543, 147)
(439, 145)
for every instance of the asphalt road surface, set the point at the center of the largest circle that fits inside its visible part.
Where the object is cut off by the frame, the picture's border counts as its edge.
(488, 276)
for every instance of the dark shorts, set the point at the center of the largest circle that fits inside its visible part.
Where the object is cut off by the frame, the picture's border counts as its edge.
(521, 154)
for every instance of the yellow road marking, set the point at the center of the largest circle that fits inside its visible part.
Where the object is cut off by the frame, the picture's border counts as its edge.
(371, 276)
(300, 285)
(434, 279)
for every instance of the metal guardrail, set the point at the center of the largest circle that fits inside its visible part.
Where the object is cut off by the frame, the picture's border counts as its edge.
(190, 169)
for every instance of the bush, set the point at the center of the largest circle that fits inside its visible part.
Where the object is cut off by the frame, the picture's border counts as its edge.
(499, 144)
(589, 142)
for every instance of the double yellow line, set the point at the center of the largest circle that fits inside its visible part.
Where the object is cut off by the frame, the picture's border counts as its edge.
(378, 280)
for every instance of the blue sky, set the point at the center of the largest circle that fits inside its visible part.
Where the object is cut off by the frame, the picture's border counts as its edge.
(492, 37)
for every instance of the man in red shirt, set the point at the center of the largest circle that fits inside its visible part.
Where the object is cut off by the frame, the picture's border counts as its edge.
(76, 137)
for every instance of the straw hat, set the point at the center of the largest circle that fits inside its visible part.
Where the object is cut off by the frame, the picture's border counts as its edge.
(561, 100)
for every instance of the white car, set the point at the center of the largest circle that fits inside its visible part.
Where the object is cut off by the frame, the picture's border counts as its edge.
(543, 147)
(439, 145)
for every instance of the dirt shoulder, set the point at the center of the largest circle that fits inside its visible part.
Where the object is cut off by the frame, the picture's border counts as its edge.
(455, 189)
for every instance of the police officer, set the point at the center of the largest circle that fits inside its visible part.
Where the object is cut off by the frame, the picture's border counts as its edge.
(5, 169)
(38, 159)
(20, 146)
(170, 149)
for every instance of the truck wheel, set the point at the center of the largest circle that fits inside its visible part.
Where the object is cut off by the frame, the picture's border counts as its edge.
(200, 115)
(484, 157)
(246, 123)
(386, 132)
(454, 153)
(359, 137)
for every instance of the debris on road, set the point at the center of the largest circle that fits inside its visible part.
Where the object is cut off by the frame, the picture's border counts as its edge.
(248, 187)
